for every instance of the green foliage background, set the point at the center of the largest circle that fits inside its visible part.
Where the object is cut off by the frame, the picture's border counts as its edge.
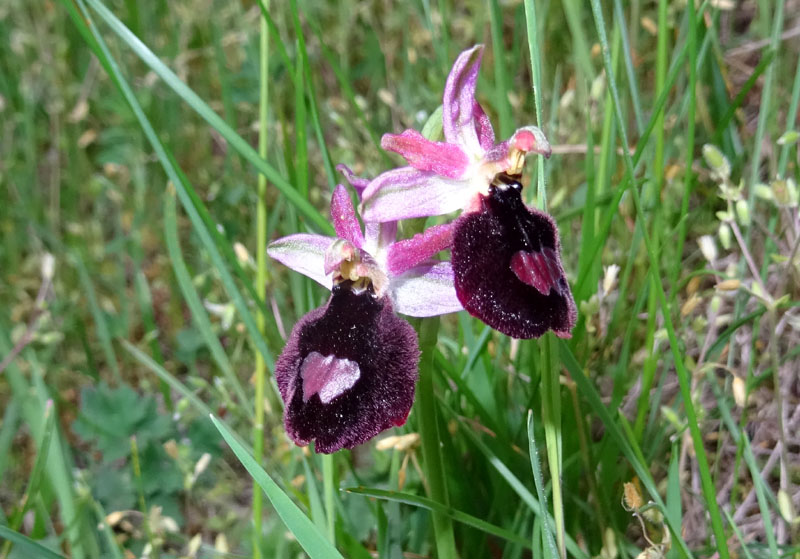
(681, 376)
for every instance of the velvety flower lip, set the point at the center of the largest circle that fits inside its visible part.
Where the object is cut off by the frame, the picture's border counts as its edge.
(507, 265)
(348, 370)
(417, 285)
(443, 177)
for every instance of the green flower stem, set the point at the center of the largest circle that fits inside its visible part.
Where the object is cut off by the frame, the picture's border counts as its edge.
(551, 393)
(691, 39)
(137, 475)
(429, 433)
(329, 483)
(261, 279)
(551, 416)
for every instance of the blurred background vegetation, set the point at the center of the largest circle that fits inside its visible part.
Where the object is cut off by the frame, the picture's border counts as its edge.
(128, 317)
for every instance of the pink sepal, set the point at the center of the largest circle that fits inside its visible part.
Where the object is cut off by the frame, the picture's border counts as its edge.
(442, 158)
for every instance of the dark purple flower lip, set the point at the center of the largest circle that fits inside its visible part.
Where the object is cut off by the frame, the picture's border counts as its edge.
(507, 265)
(348, 370)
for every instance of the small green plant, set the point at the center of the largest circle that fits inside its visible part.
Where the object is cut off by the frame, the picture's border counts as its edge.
(109, 418)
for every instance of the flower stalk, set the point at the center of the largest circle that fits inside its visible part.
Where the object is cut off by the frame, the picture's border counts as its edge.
(551, 393)
(432, 466)
(261, 277)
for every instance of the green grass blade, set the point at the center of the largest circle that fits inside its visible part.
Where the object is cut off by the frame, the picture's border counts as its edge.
(35, 479)
(517, 485)
(27, 545)
(619, 22)
(192, 299)
(433, 506)
(615, 432)
(501, 81)
(170, 379)
(8, 430)
(762, 490)
(218, 123)
(99, 317)
(260, 373)
(709, 491)
(763, 65)
(319, 515)
(538, 481)
(312, 541)
(690, 139)
(107, 531)
(430, 436)
(183, 188)
(791, 119)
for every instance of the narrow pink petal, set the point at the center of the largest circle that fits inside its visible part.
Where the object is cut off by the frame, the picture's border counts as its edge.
(426, 290)
(344, 217)
(458, 104)
(358, 183)
(406, 192)
(304, 253)
(483, 126)
(405, 254)
(440, 157)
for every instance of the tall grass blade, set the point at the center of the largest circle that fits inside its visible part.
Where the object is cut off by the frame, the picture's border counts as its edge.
(192, 299)
(311, 540)
(709, 491)
(433, 506)
(201, 107)
(538, 479)
(31, 547)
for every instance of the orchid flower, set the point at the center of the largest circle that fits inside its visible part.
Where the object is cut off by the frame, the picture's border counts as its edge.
(349, 367)
(505, 256)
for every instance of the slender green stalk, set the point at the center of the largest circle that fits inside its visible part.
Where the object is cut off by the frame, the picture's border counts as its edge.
(764, 107)
(551, 393)
(547, 533)
(234, 140)
(261, 276)
(536, 73)
(34, 481)
(657, 182)
(195, 304)
(103, 331)
(137, 476)
(791, 117)
(329, 487)
(627, 50)
(551, 416)
(691, 39)
(432, 465)
(684, 378)
(500, 74)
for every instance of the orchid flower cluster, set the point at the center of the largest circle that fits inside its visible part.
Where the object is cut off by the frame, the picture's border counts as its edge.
(349, 367)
